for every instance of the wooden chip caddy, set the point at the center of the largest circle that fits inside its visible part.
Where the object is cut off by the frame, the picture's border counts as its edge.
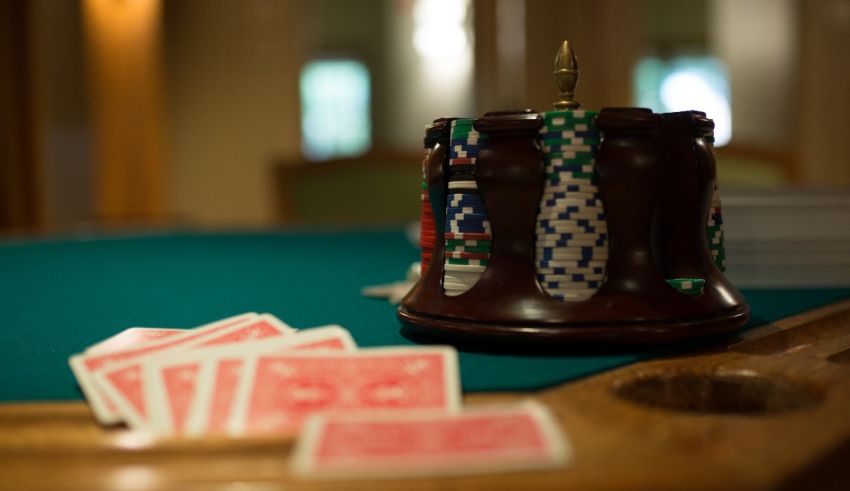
(656, 175)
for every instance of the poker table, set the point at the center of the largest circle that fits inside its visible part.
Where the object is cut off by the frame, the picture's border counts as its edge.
(767, 407)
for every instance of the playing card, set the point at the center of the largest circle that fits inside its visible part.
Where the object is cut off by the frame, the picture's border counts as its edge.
(86, 365)
(277, 392)
(181, 389)
(125, 385)
(133, 336)
(505, 438)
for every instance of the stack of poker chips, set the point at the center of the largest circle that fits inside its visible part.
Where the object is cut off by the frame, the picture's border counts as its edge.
(467, 232)
(714, 229)
(571, 244)
(427, 229)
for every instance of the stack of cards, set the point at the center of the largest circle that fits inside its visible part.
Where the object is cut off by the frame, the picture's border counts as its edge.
(361, 412)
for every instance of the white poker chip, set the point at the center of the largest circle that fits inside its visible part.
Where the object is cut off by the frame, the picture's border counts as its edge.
(567, 244)
(550, 265)
(572, 255)
(463, 185)
(570, 279)
(551, 192)
(464, 268)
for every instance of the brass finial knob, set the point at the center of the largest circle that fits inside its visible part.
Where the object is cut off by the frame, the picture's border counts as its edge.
(566, 77)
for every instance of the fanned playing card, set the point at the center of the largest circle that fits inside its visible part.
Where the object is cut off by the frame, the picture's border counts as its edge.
(183, 389)
(86, 365)
(125, 385)
(278, 392)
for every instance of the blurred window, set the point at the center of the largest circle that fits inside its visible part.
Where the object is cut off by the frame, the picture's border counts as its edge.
(335, 109)
(687, 83)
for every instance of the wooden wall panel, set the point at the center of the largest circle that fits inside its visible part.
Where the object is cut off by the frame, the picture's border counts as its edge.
(124, 61)
(20, 193)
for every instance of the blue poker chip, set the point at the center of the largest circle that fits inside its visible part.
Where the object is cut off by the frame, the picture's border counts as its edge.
(469, 226)
(467, 221)
(480, 221)
(474, 203)
(465, 209)
(466, 218)
(464, 195)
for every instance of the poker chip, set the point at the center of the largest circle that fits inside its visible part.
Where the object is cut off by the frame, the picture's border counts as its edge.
(554, 272)
(598, 242)
(570, 277)
(463, 185)
(456, 242)
(486, 248)
(460, 228)
(565, 148)
(688, 286)
(466, 217)
(582, 235)
(571, 263)
(463, 268)
(465, 210)
(466, 262)
(552, 195)
(584, 169)
(564, 254)
(569, 157)
(564, 190)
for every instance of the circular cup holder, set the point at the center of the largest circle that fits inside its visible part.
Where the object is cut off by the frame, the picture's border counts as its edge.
(727, 392)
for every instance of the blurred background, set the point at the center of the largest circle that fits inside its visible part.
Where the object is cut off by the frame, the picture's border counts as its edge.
(260, 113)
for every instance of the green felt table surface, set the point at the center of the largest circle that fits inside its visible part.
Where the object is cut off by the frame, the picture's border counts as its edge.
(59, 296)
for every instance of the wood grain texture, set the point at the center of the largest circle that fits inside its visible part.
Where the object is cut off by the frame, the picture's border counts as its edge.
(769, 409)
